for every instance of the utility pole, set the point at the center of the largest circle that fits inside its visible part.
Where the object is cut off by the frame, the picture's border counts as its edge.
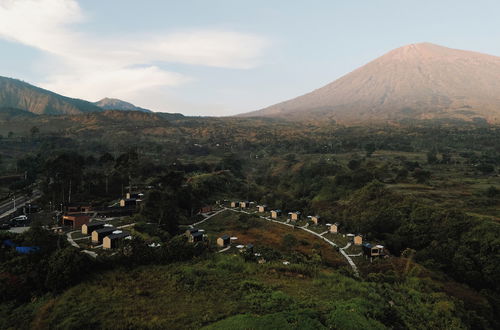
(69, 193)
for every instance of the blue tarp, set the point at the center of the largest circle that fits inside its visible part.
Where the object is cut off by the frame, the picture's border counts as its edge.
(27, 249)
(9, 243)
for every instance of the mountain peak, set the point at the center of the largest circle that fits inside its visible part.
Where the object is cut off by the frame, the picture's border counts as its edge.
(116, 104)
(418, 81)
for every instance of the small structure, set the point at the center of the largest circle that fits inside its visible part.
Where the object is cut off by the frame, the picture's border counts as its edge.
(315, 219)
(234, 204)
(134, 195)
(373, 250)
(206, 209)
(88, 228)
(223, 241)
(191, 231)
(358, 239)
(244, 204)
(275, 214)
(334, 229)
(128, 202)
(249, 247)
(99, 234)
(350, 238)
(195, 237)
(294, 216)
(110, 241)
(75, 220)
(262, 208)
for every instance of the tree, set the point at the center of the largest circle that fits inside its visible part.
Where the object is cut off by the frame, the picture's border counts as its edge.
(432, 157)
(289, 241)
(66, 267)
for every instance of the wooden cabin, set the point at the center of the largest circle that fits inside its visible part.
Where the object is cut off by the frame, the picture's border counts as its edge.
(373, 250)
(350, 237)
(223, 241)
(275, 214)
(195, 237)
(358, 239)
(234, 204)
(75, 220)
(315, 219)
(262, 208)
(88, 228)
(133, 195)
(110, 241)
(206, 209)
(244, 205)
(334, 229)
(294, 216)
(128, 202)
(99, 234)
(191, 231)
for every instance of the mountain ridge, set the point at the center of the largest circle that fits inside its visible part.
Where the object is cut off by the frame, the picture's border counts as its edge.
(117, 104)
(416, 81)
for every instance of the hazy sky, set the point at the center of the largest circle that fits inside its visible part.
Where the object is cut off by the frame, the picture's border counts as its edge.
(221, 57)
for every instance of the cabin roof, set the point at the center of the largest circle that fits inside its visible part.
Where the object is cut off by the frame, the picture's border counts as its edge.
(118, 236)
(224, 237)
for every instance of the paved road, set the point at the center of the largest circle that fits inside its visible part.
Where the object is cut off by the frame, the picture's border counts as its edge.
(7, 207)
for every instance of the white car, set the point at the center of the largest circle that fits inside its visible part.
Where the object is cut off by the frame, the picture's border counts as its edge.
(20, 218)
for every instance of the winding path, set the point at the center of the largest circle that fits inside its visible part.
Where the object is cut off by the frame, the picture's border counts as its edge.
(346, 256)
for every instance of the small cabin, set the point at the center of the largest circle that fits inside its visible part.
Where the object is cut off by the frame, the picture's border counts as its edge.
(334, 229)
(110, 241)
(275, 214)
(244, 205)
(195, 237)
(350, 238)
(206, 209)
(315, 219)
(234, 204)
(88, 228)
(76, 220)
(191, 231)
(358, 239)
(223, 241)
(99, 234)
(373, 250)
(134, 195)
(128, 202)
(294, 216)
(262, 208)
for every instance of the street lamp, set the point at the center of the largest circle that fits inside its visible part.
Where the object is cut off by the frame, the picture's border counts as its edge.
(14, 199)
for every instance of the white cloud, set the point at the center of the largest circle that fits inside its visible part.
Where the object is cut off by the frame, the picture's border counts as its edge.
(92, 67)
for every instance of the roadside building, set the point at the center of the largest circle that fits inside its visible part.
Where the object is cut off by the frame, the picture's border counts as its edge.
(262, 208)
(110, 241)
(358, 239)
(294, 216)
(275, 214)
(234, 204)
(75, 220)
(334, 229)
(88, 228)
(99, 234)
(223, 241)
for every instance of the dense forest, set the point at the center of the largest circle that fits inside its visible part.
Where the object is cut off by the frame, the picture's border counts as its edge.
(428, 191)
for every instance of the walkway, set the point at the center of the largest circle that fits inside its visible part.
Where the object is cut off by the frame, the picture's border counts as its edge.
(346, 256)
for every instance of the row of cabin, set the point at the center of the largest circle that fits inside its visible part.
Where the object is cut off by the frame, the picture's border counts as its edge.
(243, 205)
(131, 199)
(108, 235)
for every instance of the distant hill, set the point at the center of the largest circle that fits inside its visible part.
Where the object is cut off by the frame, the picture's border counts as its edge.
(16, 94)
(116, 104)
(418, 81)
